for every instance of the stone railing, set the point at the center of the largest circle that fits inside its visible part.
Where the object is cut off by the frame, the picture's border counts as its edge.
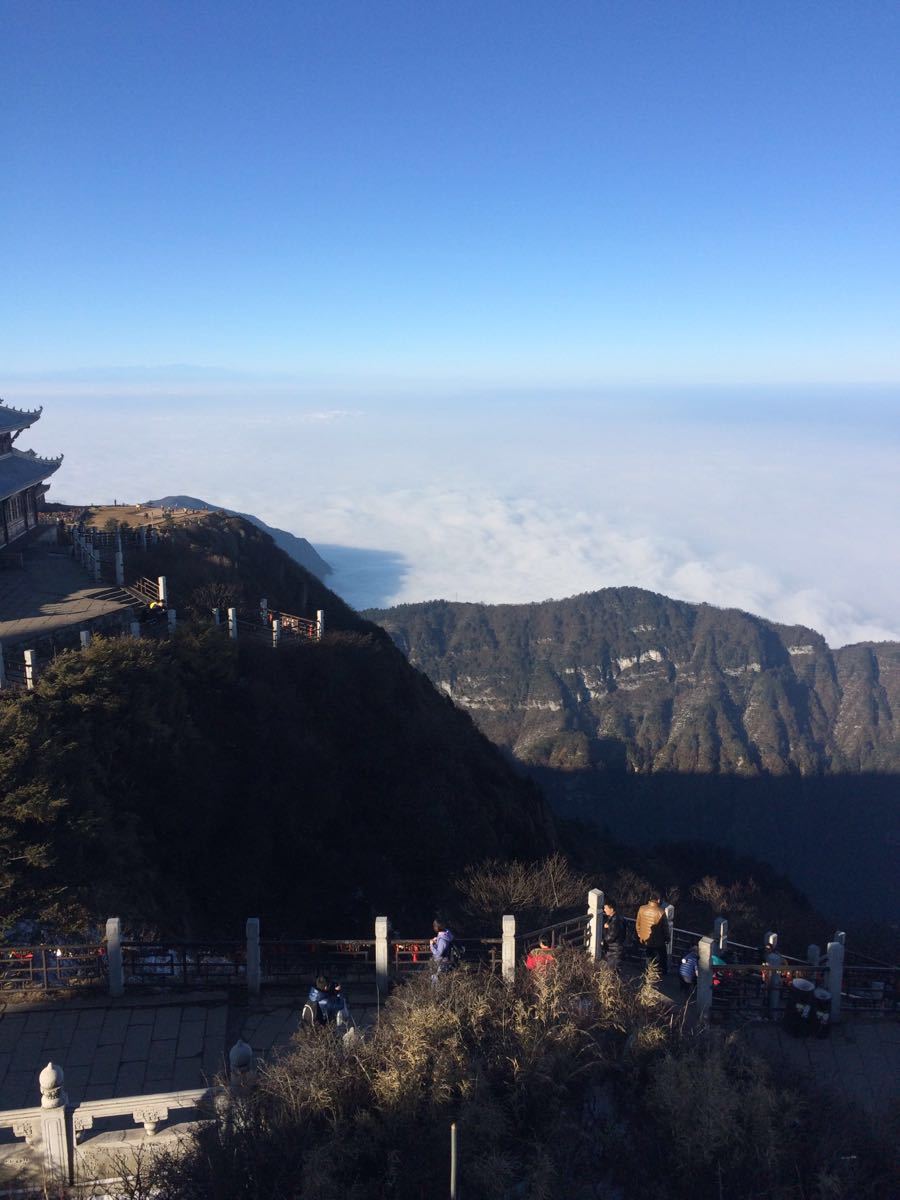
(253, 962)
(20, 668)
(66, 1144)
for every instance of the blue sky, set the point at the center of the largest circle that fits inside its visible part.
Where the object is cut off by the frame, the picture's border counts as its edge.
(493, 300)
(578, 193)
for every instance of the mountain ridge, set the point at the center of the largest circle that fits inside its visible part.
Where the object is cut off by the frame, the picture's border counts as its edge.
(298, 548)
(626, 678)
(657, 719)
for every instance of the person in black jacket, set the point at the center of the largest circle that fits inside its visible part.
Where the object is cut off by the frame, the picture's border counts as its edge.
(613, 934)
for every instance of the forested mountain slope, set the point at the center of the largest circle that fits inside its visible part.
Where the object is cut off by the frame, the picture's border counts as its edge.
(627, 678)
(665, 720)
(190, 782)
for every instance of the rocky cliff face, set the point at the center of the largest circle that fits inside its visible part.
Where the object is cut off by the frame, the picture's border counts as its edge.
(662, 720)
(624, 678)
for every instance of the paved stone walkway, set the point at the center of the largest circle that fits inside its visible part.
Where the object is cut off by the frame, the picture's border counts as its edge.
(157, 1043)
(50, 593)
(860, 1061)
(139, 1045)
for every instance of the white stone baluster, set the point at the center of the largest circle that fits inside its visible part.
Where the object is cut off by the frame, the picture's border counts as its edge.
(595, 924)
(508, 948)
(382, 954)
(705, 979)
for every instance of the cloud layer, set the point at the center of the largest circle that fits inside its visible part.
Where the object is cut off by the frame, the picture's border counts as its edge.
(481, 546)
(785, 509)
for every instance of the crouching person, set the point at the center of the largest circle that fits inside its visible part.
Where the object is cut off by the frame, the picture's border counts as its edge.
(326, 1004)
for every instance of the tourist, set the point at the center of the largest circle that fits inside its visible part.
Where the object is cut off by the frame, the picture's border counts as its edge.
(773, 963)
(540, 957)
(652, 930)
(689, 969)
(613, 935)
(326, 1002)
(441, 948)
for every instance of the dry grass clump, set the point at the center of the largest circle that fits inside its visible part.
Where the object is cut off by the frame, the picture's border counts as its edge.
(571, 1083)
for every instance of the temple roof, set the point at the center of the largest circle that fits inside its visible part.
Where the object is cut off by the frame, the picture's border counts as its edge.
(16, 418)
(19, 469)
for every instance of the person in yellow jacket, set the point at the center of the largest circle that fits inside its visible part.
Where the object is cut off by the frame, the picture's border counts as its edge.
(651, 928)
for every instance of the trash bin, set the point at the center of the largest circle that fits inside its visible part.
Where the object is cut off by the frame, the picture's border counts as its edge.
(822, 1012)
(800, 1007)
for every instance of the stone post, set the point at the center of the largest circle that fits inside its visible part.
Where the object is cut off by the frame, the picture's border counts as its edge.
(171, 619)
(240, 1065)
(320, 624)
(120, 566)
(276, 633)
(85, 638)
(835, 975)
(232, 624)
(135, 629)
(114, 956)
(670, 917)
(813, 954)
(770, 941)
(382, 955)
(97, 563)
(704, 993)
(720, 935)
(595, 924)
(29, 669)
(55, 1144)
(508, 949)
(264, 610)
(2, 668)
(162, 591)
(254, 964)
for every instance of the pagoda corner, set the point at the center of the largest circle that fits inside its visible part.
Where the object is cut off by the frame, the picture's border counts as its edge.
(22, 475)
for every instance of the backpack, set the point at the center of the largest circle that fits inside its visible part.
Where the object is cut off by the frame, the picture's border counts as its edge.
(457, 953)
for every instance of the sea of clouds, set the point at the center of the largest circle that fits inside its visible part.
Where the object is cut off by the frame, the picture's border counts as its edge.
(782, 506)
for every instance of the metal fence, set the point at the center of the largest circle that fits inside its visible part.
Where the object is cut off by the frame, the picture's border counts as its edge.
(184, 964)
(573, 932)
(26, 968)
(871, 990)
(294, 962)
(409, 957)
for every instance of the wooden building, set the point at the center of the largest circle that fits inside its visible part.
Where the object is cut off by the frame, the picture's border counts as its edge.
(22, 475)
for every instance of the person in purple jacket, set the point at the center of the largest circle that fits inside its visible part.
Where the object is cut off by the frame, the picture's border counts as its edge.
(440, 948)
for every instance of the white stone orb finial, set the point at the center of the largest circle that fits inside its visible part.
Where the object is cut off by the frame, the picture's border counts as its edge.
(240, 1057)
(52, 1080)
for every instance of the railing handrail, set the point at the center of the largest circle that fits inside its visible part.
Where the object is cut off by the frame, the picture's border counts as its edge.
(17, 1116)
(870, 961)
(54, 946)
(463, 938)
(172, 944)
(117, 1106)
(317, 941)
(583, 919)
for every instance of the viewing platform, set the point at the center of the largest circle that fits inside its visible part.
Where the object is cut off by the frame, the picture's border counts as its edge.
(157, 1034)
(51, 592)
